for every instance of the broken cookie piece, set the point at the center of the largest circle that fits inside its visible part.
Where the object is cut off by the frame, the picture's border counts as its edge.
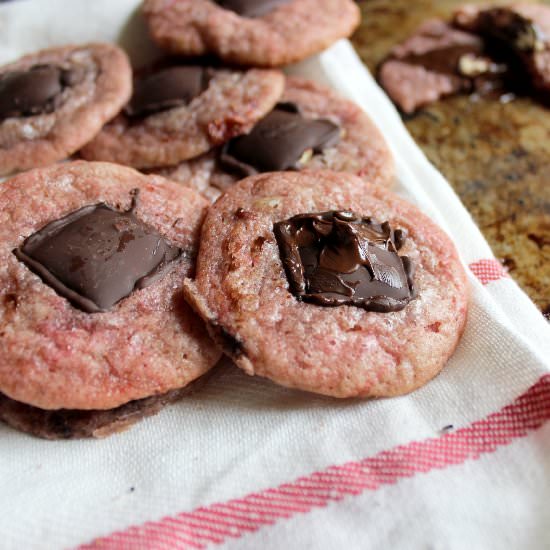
(496, 51)
(312, 128)
(518, 35)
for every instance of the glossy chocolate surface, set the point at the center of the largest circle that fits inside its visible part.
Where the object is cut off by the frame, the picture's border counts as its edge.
(32, 92)
(97, 256)
(283, 140)
(336, 258)
(166, 89)
(251, 8)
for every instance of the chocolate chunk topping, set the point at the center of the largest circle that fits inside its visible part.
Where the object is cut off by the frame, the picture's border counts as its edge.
(511, 29)
(469, 66)
(167, 89)
(251, 8)
(336, 258)
(468, 60)
(31, 92)
(96, 256)
(283, 140)
(444, 60)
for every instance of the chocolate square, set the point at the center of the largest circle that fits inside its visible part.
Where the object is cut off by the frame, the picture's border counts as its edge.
(251, 8)
(282, 140)
(96, 256)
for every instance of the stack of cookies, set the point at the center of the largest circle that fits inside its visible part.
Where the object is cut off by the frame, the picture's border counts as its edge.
(220, 208)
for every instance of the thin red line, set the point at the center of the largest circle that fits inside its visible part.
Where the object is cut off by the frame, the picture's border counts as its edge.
(179, 526)
(274, 503)
(222, 519)
(248, 509)
(151, 537)
(276, 510)
(527, 413)
(216, 531)
(246, 514)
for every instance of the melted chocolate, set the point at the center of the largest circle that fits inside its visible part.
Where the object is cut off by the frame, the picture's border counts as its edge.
(251, 8)
(511, 29)
(167, 89)
(514, 41)
(31, 92)
(500, 65)
(283, 140)
(443, 60)
(471, 67)
(96, 256)
(336, 258)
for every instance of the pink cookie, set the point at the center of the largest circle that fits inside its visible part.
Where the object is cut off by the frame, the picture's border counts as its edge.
(228, 104)
(426, 66)
(58, 351)
(360, 149)
(243, 290)
(54, 101)
(257, 33)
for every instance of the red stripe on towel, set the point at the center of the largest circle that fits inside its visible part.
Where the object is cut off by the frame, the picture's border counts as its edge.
(217, 523)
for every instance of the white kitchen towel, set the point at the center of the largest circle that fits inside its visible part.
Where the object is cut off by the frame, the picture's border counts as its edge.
(462, 463)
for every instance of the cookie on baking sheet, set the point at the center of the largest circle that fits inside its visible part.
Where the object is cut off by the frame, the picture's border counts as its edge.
(519, 34)
(431, 64)
(323, 282)
(54, 101)
(485, 50)
(311, 128)
(180, 112)
(92, 315)
(260, 33)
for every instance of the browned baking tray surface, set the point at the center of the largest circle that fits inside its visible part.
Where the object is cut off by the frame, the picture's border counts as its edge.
(496, 156)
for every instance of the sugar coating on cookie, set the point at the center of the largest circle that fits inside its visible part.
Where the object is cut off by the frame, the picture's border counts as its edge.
(54, 101)
(242, 291)
(426, 66)
(360, 148)
(204, 174)
(55, 355)
(283, 33)
(229, 105)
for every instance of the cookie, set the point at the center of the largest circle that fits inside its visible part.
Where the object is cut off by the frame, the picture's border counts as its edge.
(79, 424)
(324, 282)
(429, 65)
(311, 128)
(519, 34)
(92, 314)
(259, 33)
(54, 101)
(181, 112)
